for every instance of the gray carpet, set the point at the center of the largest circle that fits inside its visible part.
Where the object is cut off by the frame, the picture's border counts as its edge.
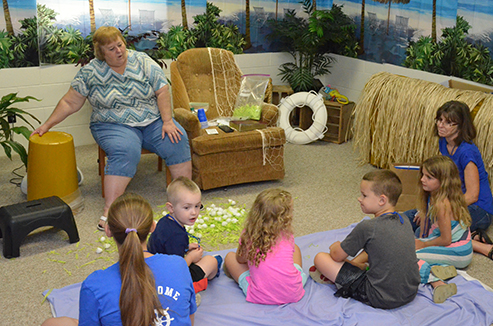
(323, 177)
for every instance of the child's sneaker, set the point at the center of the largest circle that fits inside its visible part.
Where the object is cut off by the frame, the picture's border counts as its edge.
(319, 277)
(219, 263)
(444, 272)
(443, 292)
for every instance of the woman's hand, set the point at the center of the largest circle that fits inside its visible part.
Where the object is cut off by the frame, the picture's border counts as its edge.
(41, 130)
(418, 217)
(170, 129)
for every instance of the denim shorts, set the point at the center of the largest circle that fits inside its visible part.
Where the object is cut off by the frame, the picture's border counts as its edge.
(123, 145)
(243, 283)
(481, 219)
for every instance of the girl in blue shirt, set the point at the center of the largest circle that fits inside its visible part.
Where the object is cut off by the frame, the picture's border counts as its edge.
(142, 289)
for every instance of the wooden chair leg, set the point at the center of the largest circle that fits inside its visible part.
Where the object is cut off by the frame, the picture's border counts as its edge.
(101, 164)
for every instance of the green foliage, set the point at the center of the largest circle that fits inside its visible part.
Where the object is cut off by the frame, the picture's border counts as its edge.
(56, 45)
(25, 45)
(310, 41)
(207, 32)
(175, 41)
(6, 132)
(453, 55)
(6, 54)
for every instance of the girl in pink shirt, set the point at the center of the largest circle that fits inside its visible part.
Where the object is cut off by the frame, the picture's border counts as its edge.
(267, 263)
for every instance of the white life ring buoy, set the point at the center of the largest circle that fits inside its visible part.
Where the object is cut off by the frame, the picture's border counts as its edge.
(317, 129)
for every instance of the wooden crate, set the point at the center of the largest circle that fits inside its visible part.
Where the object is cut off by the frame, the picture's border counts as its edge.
(338, 121)
(280, 91)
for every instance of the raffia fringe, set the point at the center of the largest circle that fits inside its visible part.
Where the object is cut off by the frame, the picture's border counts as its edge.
(394, 120)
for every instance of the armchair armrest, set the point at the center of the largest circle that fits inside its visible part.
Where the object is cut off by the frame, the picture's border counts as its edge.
(270, 114)
(189, 121)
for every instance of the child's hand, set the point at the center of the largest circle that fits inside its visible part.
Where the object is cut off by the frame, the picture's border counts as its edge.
(195, 254)
(419, 244)
(193, 245)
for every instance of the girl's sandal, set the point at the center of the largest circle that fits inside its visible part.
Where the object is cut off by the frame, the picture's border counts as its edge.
(444, 272)
(482, 236)
(442, 292)
(102, 223)
(319, 277)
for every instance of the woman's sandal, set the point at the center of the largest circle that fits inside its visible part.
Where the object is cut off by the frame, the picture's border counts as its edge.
(482, 235)
(102, 219)
(490, 254)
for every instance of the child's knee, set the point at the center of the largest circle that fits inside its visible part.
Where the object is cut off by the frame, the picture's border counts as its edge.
(321, 258)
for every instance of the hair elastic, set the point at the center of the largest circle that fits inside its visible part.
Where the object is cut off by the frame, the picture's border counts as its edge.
(128, 230)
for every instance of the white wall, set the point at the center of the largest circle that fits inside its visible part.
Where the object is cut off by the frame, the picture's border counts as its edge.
(49, 83)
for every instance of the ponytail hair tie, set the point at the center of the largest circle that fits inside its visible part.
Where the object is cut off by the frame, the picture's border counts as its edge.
(128, 230)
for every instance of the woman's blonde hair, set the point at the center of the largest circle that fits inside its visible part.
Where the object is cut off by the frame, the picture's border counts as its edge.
(269, 219)
(130, 219)
(103, 36)
(445, 171)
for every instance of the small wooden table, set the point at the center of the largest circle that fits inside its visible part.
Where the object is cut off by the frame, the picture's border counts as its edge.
(338, 121)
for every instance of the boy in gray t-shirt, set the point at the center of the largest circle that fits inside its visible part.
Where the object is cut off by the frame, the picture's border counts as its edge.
(386, 274)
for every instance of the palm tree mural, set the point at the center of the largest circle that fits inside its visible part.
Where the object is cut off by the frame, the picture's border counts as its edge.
(91, 16)
(434, 22)
(390, 2)
(361, 44)
(247, 26)
(184, 15)
(8, 20)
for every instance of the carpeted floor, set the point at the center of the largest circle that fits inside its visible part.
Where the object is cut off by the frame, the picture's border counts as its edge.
(323, 177)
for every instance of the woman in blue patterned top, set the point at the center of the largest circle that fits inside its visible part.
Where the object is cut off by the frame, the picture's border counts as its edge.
(130, 98)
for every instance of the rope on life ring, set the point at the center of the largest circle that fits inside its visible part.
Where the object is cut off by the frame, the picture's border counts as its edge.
(317, 129)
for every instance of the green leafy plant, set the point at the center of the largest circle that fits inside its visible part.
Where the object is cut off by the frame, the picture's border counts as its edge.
(206, 32)
(7, 132)
(6, 54)
(453, 55)
(310, 42)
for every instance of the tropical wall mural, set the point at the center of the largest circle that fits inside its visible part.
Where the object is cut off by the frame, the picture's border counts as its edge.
(421, 34)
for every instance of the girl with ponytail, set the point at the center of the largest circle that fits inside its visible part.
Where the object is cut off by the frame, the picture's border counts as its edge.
(142, 289)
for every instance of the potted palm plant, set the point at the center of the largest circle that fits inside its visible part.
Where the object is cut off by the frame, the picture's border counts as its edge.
(310, 42)
(7, 112)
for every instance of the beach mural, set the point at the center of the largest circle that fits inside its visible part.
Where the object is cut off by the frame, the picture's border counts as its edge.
(385, 28)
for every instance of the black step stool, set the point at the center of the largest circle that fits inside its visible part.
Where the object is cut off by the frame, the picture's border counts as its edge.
(17, 221)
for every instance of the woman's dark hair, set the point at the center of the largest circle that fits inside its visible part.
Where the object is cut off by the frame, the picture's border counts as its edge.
(130, 219)
(459, 113)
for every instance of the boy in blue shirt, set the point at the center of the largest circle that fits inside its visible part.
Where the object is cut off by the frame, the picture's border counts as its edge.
(170, 236)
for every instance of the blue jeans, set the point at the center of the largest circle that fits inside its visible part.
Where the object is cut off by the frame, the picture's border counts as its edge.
(480, 219)
(123, 145)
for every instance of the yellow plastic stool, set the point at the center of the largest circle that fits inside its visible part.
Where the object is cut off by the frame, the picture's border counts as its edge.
(51, 168)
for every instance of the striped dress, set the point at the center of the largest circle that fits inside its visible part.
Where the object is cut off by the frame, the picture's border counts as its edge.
(458, 253)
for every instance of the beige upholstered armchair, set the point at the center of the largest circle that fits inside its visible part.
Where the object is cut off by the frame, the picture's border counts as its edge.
(211, 75)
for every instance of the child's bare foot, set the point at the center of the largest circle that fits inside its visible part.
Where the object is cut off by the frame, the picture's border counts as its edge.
(319, 277)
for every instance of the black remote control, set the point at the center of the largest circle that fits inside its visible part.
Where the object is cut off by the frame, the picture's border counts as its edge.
(226, 128)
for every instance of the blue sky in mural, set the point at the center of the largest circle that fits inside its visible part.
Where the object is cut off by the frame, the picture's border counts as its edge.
(483, 6)
(22, 4)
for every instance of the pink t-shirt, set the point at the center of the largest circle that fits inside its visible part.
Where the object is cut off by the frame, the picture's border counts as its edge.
(276, 280)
